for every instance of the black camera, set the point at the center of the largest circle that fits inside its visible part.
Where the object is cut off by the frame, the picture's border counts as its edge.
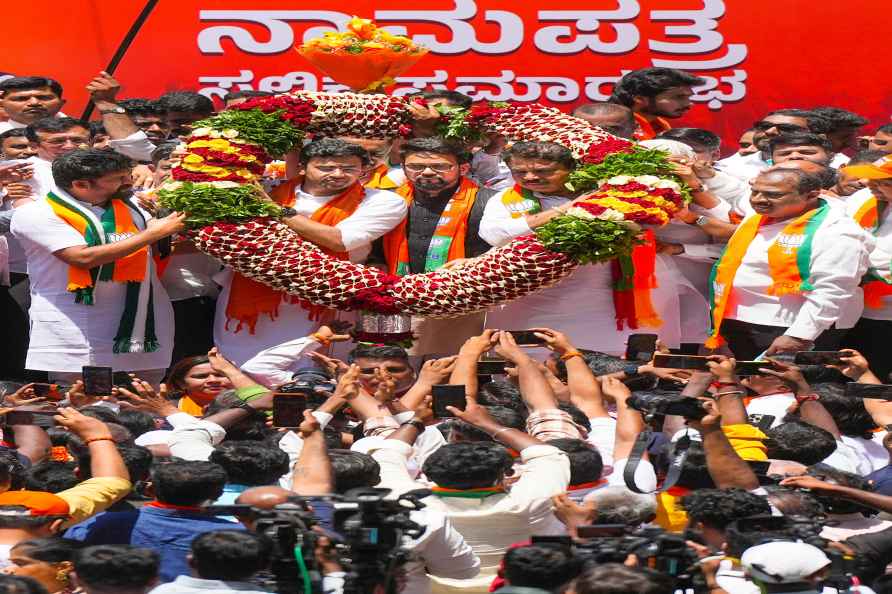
(656, 403)
(313, 384)
(368, 538)
(654, 548)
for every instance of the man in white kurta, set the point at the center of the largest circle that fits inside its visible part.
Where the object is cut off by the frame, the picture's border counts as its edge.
(325, 176)
(581, 305)
(66, 335)
(756, 321)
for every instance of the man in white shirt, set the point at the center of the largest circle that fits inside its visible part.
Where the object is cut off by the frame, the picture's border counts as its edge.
(26, 99)
(782, 121)
(88, 237)
(845, 127)
(870, 208)
(759, 305)
(328, 189)
(581, 304)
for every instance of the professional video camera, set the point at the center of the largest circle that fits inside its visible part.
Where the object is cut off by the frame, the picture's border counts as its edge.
(308, 381)
(367, 537)
(755, 530)
(654, 548)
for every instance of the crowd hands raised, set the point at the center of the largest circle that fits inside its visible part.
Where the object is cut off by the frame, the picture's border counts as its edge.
(559, 467)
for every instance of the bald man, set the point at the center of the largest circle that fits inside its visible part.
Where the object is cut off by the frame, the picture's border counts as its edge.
(610, 117)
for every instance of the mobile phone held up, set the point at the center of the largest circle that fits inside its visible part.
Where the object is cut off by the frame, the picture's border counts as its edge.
(819, 358)
(526, 338)
(641, 347)
(288, 410)
(490, 367)
(444, 395)
(691, 362)
(98, 381)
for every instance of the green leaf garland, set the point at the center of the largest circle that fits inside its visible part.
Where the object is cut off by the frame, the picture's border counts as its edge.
(207, 204)
(587, 241)
(269, 130)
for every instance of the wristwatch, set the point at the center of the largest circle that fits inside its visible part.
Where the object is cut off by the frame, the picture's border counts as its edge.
(417, 423)
(701, 220)
(630, 369)
(287, 212)
(115, 109)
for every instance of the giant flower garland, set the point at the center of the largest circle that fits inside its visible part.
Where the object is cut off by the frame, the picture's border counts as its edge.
(216, 185)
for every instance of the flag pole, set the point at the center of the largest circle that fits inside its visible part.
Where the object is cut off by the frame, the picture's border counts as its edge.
(123, 47)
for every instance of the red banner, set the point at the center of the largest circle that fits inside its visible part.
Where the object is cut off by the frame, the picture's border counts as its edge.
(755, 55)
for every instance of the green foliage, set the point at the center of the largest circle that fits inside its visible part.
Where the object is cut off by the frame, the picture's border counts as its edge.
(206, 204)
(586, 241)
(589, 176)
(269, 130)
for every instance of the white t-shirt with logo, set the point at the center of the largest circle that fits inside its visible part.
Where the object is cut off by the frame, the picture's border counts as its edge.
(66, 335)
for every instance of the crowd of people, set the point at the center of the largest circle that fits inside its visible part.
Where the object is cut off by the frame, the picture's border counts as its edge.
(572, 468)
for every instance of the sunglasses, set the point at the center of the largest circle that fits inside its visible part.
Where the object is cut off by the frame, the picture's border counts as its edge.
(784, 128)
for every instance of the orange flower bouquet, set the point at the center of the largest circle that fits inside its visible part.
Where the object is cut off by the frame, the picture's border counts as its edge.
(364, 57)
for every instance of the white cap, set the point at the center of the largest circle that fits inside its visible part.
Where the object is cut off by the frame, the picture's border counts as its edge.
(783, 562)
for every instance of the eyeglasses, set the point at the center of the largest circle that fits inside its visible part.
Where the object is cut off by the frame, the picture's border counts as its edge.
(762, 126)
(63, 140)
(436, 167)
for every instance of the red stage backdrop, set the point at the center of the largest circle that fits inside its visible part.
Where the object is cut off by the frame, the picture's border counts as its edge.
(755, 55)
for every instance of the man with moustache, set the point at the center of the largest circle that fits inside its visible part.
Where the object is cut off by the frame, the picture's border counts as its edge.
(781, 121)
(95, 294)
(26, 99)
(788, 279)
(655, 95)
(442, 225)
(327, 205)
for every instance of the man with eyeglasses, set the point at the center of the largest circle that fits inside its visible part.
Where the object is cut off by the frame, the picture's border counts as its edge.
(442, 225)
(324, 204)
(582, 304)
(781, 121)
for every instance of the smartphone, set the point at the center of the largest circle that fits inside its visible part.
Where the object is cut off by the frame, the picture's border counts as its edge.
(288, 410)
(742, 368)
(875, 391)
(598, 530)
(526, 338)
(122, 379)
(447, 395)
(49, 391)
(641, 347)
(29, 417)
(818, 358)
(97, 380)
(491, 367)
(692, 362)
(553, 539)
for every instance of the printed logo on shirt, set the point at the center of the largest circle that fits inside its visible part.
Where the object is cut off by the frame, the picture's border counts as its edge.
(790, 241)
(116, 237)
(522, 206)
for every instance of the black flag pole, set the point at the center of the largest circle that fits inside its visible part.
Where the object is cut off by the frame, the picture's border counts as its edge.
(122, 49)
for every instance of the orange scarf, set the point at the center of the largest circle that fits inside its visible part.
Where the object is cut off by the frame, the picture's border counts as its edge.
(647, 129)
(454, 225)
(380, 180)
(874, 285)
(249, 299)
(789, 263)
